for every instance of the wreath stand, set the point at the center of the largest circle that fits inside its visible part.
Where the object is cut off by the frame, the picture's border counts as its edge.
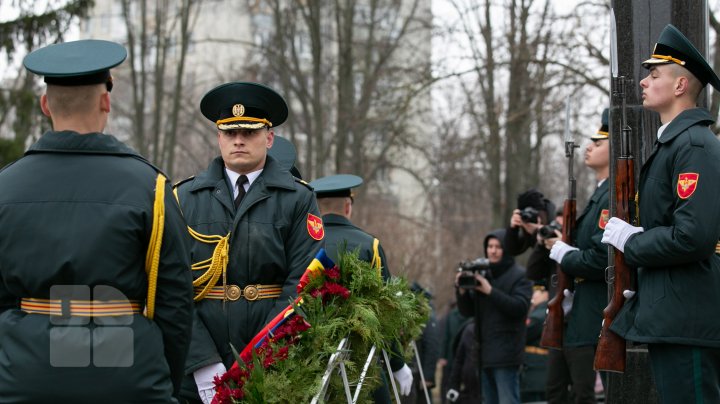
(337, 360)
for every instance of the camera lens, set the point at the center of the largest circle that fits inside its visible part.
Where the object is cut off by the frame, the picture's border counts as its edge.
(548, 231)
(529, 215)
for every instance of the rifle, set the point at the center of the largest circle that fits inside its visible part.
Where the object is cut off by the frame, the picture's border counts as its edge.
(610, 353)
(552, 335)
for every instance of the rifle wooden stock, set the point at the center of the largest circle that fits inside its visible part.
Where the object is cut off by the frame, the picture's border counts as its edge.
(610, 353)
(552, 335)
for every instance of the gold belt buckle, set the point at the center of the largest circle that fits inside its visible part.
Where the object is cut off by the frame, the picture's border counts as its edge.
(233, 292)
(251, 292)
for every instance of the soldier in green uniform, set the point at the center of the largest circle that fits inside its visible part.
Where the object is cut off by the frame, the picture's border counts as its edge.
(585, 263)
(675, 310)
(80, 214)
(256, 229)
(334, 194)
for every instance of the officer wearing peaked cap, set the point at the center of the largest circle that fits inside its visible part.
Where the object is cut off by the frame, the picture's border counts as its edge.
(248, 208)
(78, 214)
(604, 131)
(335, 197)
(570, 370)
(674, 244)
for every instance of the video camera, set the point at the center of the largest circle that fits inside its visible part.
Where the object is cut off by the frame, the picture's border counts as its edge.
(548, 231)
(468, 270)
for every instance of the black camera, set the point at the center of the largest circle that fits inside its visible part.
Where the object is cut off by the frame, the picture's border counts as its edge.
(468, 270)
(529, 215)
(548, 231)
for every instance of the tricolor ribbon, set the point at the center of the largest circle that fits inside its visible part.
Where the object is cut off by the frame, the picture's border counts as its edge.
(320, 263)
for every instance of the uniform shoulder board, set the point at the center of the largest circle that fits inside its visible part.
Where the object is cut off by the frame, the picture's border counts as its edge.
(302, 181)
(698, 135)
(177, 184)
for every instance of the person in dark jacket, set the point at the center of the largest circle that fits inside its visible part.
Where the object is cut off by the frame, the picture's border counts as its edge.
(256, 229)
(532, 212)
(540, 268)
(533, 377)
(451, 326)
(428, 346)
(464, 381)
(675, 244)
(78, 214)
(334, 194)
(523, 233)
(585, 263)
(499, 302)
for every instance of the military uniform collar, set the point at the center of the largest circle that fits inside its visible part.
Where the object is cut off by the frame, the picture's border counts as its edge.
(72, 142)
(685, 120)
(333, 218)
(600, 190)
(272, 175)
(251, 177)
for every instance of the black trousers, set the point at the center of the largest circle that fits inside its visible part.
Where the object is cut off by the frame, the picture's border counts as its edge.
(571, 378)
(686, 374)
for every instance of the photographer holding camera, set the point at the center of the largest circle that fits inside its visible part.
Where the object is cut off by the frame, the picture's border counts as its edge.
(531, 223)
(497, 293)
(533, 211)
(585, 263)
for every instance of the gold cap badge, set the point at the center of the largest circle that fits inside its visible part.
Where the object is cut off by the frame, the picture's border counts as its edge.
(238, 110)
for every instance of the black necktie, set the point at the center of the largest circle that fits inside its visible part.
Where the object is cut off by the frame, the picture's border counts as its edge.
(241, 190)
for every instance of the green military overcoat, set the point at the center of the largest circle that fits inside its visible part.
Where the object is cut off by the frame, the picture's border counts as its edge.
(678, 265)
(270, 243)
(78, 210)
(587, 267)
(340, 234)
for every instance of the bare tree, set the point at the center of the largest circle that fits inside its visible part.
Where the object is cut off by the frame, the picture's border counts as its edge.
(158, 40)
(351, 70)
(516, 74)
(19, 105)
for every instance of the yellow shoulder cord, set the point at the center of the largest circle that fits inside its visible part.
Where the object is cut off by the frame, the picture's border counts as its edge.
(376, 261)
(215, 266)
(152, 259)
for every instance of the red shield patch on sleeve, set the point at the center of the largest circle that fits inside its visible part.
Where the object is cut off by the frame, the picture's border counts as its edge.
(315, 227)
(687, 184)
(604, 217)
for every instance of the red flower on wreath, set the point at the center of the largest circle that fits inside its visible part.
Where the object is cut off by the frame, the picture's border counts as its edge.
(273, 343)
(330, 289)
(333, 273)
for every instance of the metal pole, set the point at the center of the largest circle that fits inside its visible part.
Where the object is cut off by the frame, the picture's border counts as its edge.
(390, 376)
(334, 358)
(370, 357)
(420, 369)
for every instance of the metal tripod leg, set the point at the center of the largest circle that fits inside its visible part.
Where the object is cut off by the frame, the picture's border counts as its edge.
(336, 359)
(420, 370)
(390, 376)
(368, 361)
(346, 384)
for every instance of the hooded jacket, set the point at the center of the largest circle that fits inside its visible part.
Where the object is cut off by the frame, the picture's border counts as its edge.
(500, 316)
